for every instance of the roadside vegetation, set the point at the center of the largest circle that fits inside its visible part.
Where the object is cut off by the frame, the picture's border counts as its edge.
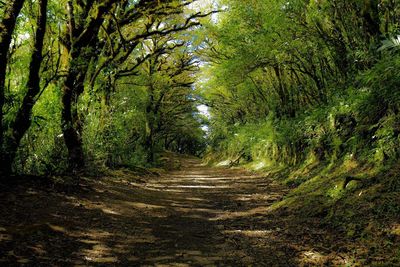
(308, 91)
(304, 92)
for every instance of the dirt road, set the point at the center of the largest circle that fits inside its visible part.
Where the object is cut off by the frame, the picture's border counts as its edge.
(197, 216)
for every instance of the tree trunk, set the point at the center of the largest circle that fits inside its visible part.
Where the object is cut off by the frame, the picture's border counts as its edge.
(82, 43)
(7, 26)
(23, 118)
(149, 144)
(149, 139)
(70, 122)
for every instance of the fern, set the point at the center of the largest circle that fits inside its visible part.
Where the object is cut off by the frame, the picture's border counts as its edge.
(391, 43)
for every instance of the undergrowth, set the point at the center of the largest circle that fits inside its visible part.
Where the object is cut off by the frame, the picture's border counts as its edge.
(340, 159)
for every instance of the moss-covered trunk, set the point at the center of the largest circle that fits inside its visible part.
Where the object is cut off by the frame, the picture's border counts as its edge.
(23, 118)
(7, 26)
(82, 39)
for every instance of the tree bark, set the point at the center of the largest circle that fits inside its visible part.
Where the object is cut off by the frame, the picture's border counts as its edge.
(23, 119)
(149, 140)
(7, 26)
(70, 124)
(81, 46)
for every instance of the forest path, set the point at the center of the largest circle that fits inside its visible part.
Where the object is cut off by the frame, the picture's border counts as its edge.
(196, 216)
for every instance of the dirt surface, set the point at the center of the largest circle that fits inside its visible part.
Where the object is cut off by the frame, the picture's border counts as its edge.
(197, 216)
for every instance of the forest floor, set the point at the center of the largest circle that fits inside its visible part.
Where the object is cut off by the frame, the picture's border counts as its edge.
(194, 216)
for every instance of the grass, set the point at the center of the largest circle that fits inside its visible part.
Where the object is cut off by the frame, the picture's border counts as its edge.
(364, 210)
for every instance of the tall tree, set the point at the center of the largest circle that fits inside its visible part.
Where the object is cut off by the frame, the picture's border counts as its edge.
(130, 27)
(23, 118)
(84, 22)
(169, 78)
(7, 25)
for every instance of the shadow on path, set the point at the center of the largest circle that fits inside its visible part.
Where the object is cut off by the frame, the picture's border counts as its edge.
(197, 216)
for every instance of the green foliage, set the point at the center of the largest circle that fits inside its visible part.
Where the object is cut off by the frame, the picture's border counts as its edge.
(391, 43)
(122, 93)
(43, 150)
(293, 82)
(111, 135)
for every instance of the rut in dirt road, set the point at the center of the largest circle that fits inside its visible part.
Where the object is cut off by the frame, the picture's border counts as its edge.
(197, 216)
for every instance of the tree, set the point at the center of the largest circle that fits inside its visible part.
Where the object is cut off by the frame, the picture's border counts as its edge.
(82, 42)
(23, 117)
(290, 58)
(89, 47)
(7, 25)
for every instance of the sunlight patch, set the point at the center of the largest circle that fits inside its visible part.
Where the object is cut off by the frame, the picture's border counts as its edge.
(224, 163)
(57, 228)
(312, 257)
(109, 211)
(250, 233)
(259, 211)
(259, 166)
(200, 186)
(395, 229)
(99, 253)
(93, 234)
(195, 199)
(259, 197)
(144, 205)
